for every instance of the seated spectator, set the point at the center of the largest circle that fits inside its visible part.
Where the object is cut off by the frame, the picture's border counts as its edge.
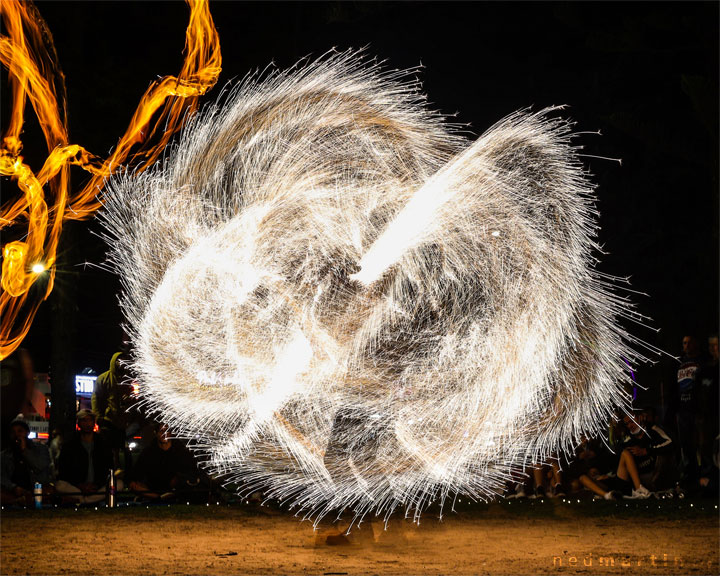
(23, 463)
(85, 463)
(591, 458)
(165, 467)
(652, 448)
(640, 454)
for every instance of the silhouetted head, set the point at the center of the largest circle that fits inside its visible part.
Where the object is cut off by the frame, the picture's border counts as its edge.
(19, 430)
(690, 346)
(713, 347)
(86, 421)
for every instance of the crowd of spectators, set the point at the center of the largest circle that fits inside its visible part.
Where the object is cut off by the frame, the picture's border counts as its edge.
(638, 456)
(86, 469)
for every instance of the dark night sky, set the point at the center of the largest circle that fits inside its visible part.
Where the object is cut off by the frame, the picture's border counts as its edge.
(645, 75)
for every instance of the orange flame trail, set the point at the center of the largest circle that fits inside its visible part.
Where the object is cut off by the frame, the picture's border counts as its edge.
(28, 54)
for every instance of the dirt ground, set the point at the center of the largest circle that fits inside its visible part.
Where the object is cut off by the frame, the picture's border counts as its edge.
(501, 538)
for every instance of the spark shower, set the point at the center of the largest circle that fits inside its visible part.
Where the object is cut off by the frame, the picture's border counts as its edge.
(348, 304)
(336, 295)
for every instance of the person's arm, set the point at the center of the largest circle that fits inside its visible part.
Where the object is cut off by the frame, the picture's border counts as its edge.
(672, 397)
(661, 443)
(100, 399)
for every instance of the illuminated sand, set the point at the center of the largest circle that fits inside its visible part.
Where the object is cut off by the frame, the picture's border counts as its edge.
(493, 540)
(338, 298)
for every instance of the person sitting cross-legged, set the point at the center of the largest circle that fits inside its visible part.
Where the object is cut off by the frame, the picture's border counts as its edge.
(23, 464)
(85, 464)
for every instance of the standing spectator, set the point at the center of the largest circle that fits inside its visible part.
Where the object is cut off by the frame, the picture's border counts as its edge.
(85, 463)
(23, 463)
(165, 467)
(708, 423)
(686, 399)
(110, 402)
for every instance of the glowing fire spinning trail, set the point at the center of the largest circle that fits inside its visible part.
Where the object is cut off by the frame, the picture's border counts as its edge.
(346, 303)
(34, 74)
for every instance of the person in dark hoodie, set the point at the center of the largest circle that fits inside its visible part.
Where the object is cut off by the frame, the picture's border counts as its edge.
(111, 401)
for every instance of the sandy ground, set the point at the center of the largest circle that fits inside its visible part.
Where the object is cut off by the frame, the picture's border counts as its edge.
(499, 538)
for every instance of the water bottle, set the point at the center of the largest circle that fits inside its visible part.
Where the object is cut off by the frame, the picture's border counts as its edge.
(37, 493)
(111, 490)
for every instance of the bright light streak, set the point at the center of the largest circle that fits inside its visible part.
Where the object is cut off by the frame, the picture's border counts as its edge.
(405, 231)
(339, 299)
(38, 268)
(415, 221)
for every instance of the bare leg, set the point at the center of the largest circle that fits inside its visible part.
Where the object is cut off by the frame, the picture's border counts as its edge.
(538, 476)
(590, 484)
(627, 470)
(143, 490)
(556, 474)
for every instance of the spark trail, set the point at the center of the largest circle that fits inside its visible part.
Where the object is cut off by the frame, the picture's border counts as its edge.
(345, 302)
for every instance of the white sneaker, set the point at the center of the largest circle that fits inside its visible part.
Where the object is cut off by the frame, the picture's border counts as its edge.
(641, 493)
